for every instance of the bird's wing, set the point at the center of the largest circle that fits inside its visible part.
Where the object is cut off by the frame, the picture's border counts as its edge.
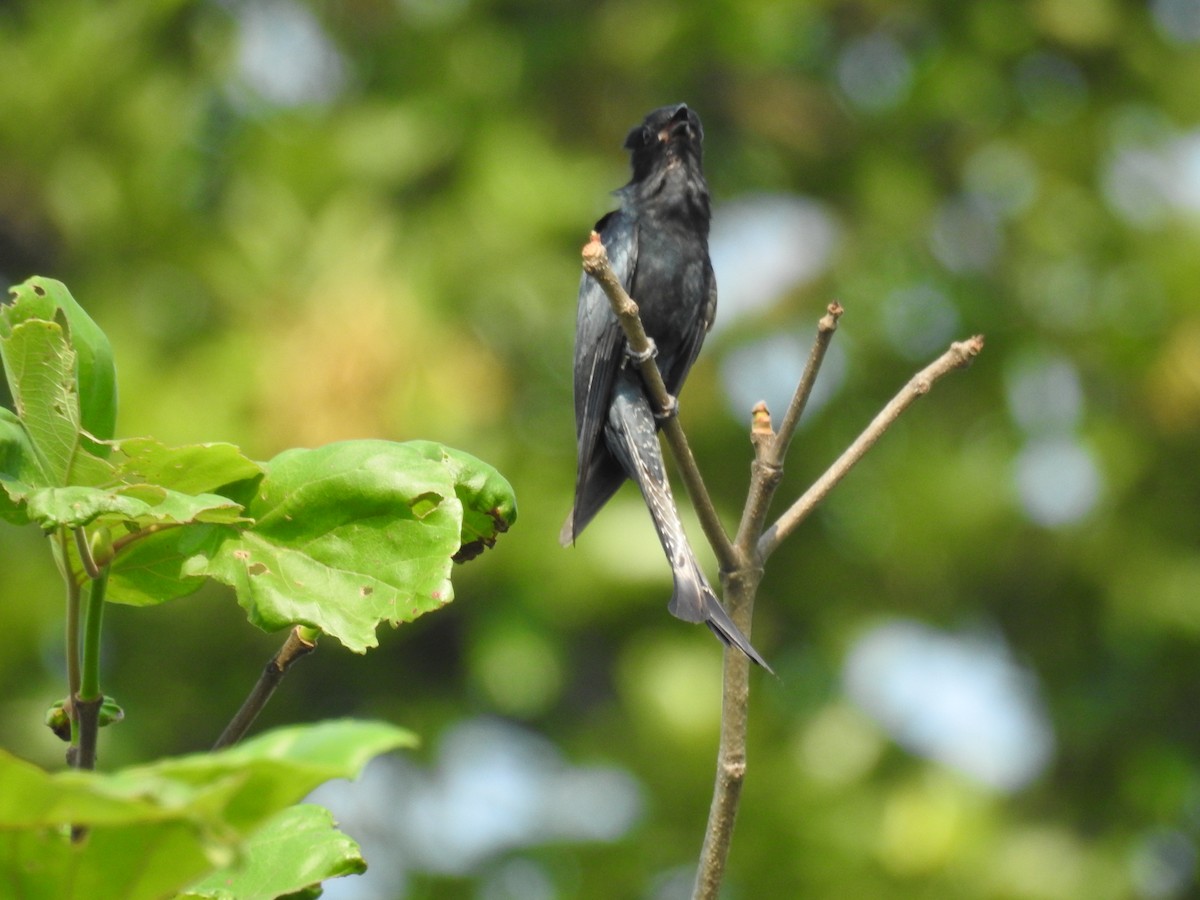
(676, 369)
(599, 349)
(599, 341)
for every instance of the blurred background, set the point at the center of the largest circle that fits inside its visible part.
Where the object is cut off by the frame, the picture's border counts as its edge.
(306, 222)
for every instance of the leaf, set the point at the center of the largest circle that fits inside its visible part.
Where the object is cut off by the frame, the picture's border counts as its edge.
(150, 570)
(95, 372)
(154, 829)
(40, 367)
(191, 469)
(346, 536)
(298, 848)
(135, 504)
(18, 467)
(489, 505)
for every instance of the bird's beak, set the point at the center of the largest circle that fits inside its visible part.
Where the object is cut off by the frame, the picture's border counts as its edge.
(679, 124)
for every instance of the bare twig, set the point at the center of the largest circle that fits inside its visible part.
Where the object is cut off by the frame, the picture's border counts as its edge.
(295, 647)
(767, 470)
(752, 548)
(595, 263)
(825, 329)
(742, 559)
(959, 355)
(739, 589)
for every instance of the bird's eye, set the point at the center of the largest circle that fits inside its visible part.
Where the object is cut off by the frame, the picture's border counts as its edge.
(639, 137)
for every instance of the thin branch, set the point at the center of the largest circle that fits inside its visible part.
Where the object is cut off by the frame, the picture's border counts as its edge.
(958, 356)
(595, 263)
(739, 589)
(297, 645)
(825, 329)
(769, 455)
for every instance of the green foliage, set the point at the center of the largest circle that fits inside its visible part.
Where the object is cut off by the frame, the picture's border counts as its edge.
(154, 829)
(395, 253)
(96, 374)
(48, 380)
(336, 539)
(344, 537)
(295, 851)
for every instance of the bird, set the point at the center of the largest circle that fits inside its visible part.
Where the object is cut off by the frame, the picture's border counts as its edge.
(657, 246)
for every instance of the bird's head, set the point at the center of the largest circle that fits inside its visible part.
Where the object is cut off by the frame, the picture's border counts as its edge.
(668, 135)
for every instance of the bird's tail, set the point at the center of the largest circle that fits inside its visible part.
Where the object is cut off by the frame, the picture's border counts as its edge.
(695, 601)
(633, 438)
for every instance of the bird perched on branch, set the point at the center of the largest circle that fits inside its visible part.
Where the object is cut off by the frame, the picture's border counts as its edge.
(657, 245)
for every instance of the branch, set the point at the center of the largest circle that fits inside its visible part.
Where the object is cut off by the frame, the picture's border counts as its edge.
(739, 589)
(300, 642)
(825, 329)
(958, 356)
(769, 448)
(595, 263)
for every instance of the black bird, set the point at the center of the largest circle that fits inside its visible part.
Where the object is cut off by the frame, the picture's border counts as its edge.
(657, 244)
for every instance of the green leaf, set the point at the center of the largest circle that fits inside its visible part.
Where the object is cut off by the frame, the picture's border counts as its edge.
(95, 373)
(489, 505)
(298, 848)
(346, 536)
(40, 367)
(135, 504)
(19, 467)
(154, 829)
(191, 469)
(150, 570)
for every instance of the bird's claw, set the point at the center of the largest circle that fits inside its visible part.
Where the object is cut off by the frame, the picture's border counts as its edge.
(670, 411)
(650, 352)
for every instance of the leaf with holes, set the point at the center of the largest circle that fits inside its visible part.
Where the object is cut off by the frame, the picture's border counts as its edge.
(345, 537)
(489, 506)
(93, 372)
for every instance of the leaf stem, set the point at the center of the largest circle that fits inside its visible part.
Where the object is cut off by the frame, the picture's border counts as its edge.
(88, 700)
(72, 641)
(145, 531)
(85, 553)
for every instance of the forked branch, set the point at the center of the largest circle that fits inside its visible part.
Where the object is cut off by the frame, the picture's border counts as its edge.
(742, 559)
(958, 356)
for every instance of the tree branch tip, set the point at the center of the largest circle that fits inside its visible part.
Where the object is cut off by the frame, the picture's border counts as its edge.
(595, 257)
(829, 321)
(760, 420)
(972, 346)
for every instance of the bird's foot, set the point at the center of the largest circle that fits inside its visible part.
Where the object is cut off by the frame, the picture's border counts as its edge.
(639, 358)
(669, 411)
